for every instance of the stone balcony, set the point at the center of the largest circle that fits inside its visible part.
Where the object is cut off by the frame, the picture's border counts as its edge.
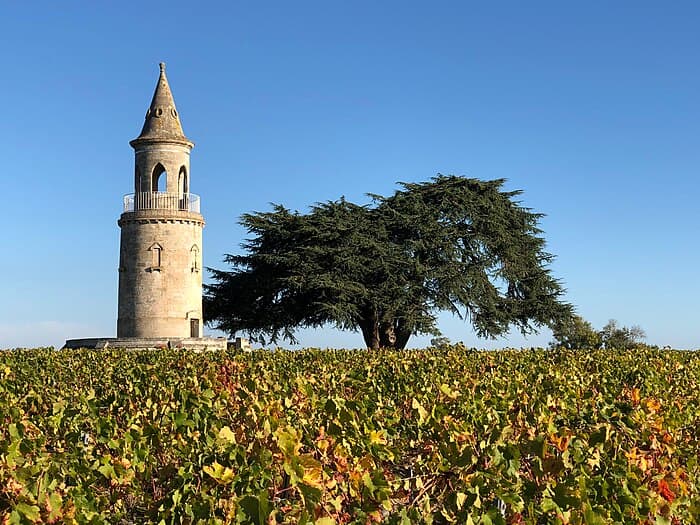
(160, 200)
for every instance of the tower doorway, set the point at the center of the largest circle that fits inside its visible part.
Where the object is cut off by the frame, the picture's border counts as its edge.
(194, 327)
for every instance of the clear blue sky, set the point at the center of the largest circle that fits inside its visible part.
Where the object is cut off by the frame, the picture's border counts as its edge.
(592, 108)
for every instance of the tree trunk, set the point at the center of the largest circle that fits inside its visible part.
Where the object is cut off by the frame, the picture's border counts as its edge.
(370, 331)
(387, 337)
(403, 334)
(394, 334)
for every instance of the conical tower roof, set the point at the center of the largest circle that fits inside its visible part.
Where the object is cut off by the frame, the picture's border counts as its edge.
(162, 119)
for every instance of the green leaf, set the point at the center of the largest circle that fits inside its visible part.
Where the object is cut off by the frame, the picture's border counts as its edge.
(107, 471)
(590, 517)
(288, 439)
(547, 505)
(14, 432)
(251, 506)
(30, 512)
(55, 504)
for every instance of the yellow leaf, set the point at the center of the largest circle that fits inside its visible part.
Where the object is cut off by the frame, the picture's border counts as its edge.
(642, 464)
(594, 460)
(422, 413)
(461, 498)
(226, 435)
(560, 442)
(377, 438)
(312, 471)
(652, 404)
(222, 475)
(445, 389)
(635, 396)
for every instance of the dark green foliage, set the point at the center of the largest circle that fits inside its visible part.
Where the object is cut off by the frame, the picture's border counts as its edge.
(451, 244)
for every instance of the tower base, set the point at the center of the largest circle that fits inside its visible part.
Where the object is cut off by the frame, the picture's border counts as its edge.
(155, 343)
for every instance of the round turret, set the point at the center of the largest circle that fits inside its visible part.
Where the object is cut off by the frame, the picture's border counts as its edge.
(160, 279)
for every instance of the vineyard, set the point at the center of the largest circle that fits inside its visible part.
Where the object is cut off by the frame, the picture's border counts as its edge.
(335, 437)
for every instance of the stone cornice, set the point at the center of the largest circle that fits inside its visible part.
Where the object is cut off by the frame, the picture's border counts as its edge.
(162, 216)
(139, 142)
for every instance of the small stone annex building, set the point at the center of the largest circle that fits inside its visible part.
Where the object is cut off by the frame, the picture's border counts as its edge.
(160, 255)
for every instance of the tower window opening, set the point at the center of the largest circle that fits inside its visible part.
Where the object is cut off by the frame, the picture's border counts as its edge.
(183, 183)
(156, 257)
(155, 180)
(195, 258)
(183, 188)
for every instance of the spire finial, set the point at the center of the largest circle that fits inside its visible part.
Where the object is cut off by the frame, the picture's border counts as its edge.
(162, 67)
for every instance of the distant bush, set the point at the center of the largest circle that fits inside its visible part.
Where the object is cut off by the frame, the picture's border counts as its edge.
(575, 332)
(444, 435)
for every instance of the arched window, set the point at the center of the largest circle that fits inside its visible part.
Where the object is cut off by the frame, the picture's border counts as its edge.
(183, 189)
(194, 256)
(137, 181)
(155, 180)
(182, 183)
(156, 257)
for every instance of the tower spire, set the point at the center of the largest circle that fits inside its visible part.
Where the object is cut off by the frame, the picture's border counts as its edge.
(162, 119)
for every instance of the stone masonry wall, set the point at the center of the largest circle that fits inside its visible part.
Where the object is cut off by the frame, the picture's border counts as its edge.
(172, 157)
(159, 294)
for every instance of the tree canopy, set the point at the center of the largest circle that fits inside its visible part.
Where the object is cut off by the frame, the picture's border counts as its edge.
(388, 268)
(621, 337)
(577, 333)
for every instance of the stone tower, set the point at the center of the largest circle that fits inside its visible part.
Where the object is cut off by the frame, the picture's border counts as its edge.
(160, 268)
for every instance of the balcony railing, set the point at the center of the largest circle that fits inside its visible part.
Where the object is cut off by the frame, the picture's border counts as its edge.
(160, 200)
